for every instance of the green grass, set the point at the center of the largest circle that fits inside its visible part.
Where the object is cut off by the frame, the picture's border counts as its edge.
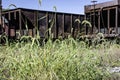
(59, 60)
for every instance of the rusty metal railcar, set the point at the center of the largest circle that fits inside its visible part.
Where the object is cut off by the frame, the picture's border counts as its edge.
(27, 21)
(107, 18)
(104, 17)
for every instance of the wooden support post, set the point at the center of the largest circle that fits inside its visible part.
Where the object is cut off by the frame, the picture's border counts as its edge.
(116, 20)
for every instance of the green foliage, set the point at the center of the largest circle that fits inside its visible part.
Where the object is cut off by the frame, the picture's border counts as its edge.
(84, 22)
(55, 8)
(58, 60)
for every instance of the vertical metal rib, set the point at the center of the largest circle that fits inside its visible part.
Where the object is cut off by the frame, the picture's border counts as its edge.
(1, 12)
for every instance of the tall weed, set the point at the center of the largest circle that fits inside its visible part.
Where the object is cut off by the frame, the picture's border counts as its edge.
(58, 60)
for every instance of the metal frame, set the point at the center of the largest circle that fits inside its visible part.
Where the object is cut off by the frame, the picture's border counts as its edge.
(20, 12)
(106, 6)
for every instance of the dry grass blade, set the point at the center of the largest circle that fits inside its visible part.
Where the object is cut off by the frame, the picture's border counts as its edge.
(40, 2)
(85, 22)
(42, 17)
(78, 20)
(54, 8)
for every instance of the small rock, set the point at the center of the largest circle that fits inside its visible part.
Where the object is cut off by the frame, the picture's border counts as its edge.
(115, 70)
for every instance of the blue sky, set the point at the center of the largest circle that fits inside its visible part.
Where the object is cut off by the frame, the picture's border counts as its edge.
(68, 6)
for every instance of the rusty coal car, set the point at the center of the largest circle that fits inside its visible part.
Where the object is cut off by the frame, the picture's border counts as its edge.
(105, 18)
(28, 22)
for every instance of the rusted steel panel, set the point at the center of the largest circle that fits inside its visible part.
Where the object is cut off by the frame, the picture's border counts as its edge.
(25, 32)
(101, 5)
(1, 13)
(55, 30)
(30, 32)
(42, 24)
(12, 32)
(6, 29)
(106, 17)
(89, 17)
(71, 24)
(21, 19)
(20, 22)
(52, 24)
(59, 22)
(36, 19)
(47, 25)
(29, 15)
(9, 16)
(99, 22)
(67, 27)
(108, 21)
(75, 25)
(116, 20)
(63, 25)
